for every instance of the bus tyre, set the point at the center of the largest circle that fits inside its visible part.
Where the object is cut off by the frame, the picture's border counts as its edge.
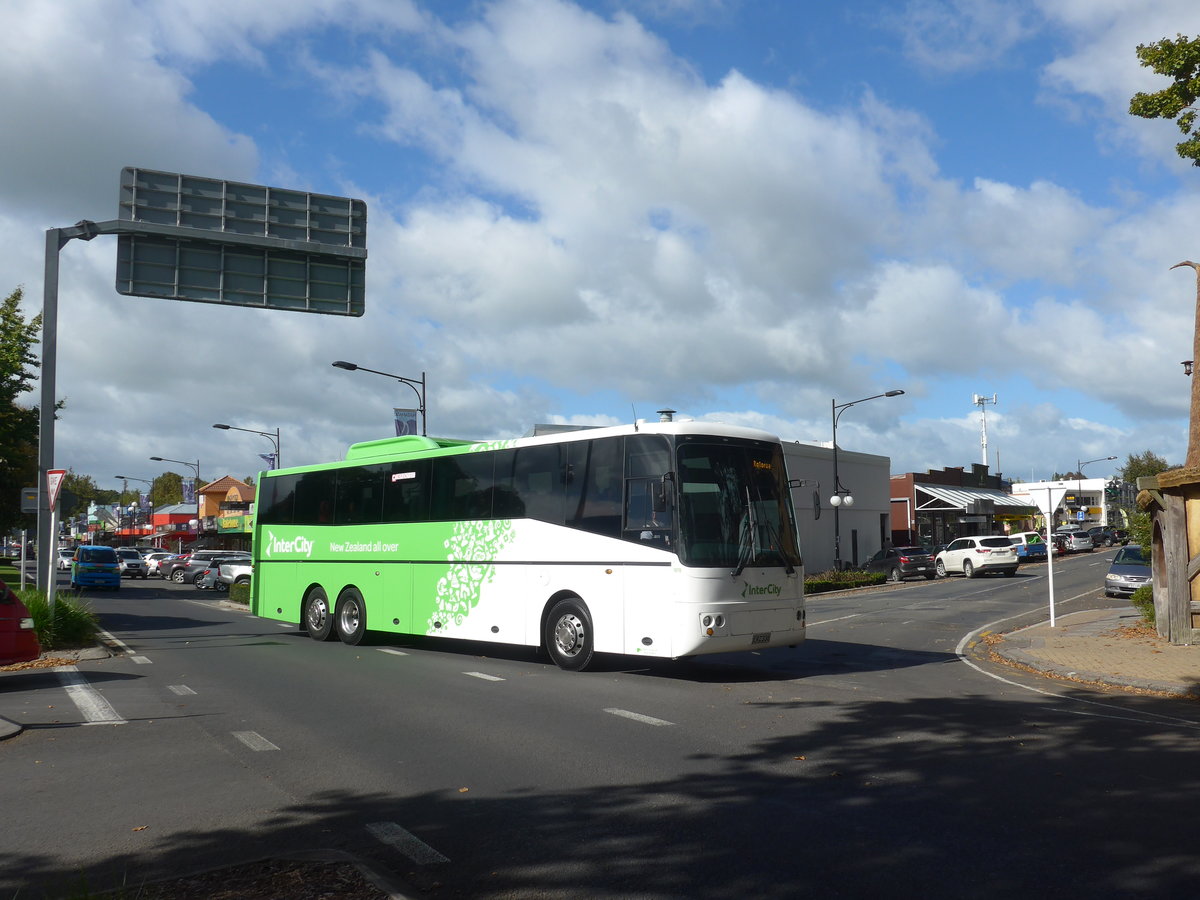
(318, 619)
(568, 635)
(351, 617)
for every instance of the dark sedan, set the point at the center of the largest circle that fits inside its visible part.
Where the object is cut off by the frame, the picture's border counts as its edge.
(899, 563)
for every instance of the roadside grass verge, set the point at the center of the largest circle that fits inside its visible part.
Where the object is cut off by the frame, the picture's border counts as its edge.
(73, 624)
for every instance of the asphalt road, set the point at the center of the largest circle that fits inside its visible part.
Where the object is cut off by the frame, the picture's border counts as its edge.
(873, 760)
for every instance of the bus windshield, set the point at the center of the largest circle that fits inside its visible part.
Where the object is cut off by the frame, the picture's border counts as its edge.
(734, 506)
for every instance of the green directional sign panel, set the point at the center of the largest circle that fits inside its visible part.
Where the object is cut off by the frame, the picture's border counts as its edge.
(184, 237)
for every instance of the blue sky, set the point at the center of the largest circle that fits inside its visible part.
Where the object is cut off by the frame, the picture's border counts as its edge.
(579, 212)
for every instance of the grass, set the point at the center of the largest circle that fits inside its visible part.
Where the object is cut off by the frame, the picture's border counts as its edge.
(1143, 601)
(73, 624)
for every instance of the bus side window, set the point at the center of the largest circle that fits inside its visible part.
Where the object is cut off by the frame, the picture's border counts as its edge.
(594, 496)
(406, 491)
(314, 498)
(537, 482)
(276, 499)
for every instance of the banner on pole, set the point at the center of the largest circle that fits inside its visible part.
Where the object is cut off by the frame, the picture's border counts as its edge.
(406, 421)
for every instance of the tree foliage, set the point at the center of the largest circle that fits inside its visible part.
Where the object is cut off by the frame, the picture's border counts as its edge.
(1179, 60)
(18, 424)
(1143, 465)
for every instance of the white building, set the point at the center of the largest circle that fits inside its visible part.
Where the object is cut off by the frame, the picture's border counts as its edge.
(1084, 503)
(865, 526)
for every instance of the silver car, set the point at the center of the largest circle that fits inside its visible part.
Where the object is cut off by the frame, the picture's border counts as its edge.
(1077, 541)
(1129, 571)
(977, 555)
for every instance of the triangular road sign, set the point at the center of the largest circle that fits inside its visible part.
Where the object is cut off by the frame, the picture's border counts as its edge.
(54, 480)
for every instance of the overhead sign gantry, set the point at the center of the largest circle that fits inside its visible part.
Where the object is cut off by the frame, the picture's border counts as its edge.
(206, 240)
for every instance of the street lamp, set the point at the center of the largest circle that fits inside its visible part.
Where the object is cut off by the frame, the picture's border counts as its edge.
(125, 486)
(841, 494)
(273, 438)
(1079, 473)
(411, 382)
(196, 467)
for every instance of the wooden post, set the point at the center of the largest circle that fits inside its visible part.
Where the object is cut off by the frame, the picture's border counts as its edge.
(1193, 451)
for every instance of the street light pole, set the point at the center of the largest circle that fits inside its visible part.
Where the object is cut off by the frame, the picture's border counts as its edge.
(272, 437)
(196, 467)
(125, 486)
(1079, 474)
(841, 494)
(411, 382)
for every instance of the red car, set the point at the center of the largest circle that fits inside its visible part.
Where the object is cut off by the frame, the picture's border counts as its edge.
(18, 641)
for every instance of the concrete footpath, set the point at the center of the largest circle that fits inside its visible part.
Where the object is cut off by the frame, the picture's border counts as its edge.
(1105, 647)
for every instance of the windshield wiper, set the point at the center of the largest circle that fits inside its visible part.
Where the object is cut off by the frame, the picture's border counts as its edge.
(745, 538)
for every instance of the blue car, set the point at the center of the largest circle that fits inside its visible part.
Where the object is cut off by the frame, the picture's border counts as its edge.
(94, 566)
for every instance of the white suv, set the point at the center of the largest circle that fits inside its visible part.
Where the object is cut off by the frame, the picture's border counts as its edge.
(970, 555)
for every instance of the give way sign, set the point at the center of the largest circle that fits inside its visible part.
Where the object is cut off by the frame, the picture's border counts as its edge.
(54, 480)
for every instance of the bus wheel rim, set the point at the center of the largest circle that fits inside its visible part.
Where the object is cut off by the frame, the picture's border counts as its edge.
(350, 617)
(317, 613)
(569, 635)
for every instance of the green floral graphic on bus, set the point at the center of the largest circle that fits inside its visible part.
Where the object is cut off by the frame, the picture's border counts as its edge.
(459, 590)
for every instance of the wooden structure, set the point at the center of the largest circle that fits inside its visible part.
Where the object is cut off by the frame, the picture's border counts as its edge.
(1173, 501)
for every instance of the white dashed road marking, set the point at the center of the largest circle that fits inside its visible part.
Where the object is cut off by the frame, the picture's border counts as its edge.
(483, 676)
(638, 717)
(407, 843)
(90, 703)
(392, 651)
(181, 689)
(254, 740)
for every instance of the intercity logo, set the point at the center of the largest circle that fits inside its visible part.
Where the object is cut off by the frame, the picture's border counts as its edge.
(765, 590)
(295, 545)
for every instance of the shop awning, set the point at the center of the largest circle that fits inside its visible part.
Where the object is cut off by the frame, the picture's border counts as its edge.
(939, 497)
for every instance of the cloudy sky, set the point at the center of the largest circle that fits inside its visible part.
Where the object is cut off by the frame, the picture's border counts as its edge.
(586, 211)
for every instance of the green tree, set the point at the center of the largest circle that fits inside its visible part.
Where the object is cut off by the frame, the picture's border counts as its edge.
(1179, 60)
(1142, 465)
(18, 424)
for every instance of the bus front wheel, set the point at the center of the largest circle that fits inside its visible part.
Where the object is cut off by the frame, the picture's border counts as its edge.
(568, 636)
(351, 617)
(317, 618)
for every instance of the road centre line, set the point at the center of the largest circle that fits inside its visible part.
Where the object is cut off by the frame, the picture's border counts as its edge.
(254, 740)
(391, 650)
(181, 689)
(838, 619)
(406, 842)
(142, 660)
(483, 676)
(87, 699)
(638, 717)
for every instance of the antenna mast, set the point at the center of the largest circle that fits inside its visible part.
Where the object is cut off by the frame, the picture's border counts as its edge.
(982, 402)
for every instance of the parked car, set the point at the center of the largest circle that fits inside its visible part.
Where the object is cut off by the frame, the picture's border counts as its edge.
(18, 639)
(64, 558)
(1077, 541)
(1129, 571)
(1030, 545)
(95, 566)
(899, 563)
(1107, 536)
(153, 558)
(224, 571)
(193, 570)
(976, 555)
(132, 564)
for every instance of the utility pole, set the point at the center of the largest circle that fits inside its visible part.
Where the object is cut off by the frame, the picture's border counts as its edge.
(982, 402)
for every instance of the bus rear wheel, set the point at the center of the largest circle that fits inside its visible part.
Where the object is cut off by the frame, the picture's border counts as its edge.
(568, 636)
(317, 618)
(351, 617)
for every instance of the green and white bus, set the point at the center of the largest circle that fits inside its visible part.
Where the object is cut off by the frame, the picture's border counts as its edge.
(663, 539)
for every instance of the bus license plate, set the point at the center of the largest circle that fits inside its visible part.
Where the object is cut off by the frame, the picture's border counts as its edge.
(763, 637)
